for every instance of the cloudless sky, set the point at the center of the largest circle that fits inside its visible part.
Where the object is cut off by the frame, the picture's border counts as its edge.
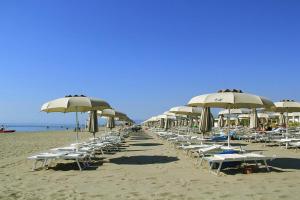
(144, 56)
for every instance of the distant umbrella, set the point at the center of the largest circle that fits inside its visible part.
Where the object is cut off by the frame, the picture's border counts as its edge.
(206, 122)
(253, 119)
(282, 121)
(227, 122)
(221, 121)
(167, 124)
(162, 123)
(237, 121)
(110, 123)
(287, 106)
(93, 122)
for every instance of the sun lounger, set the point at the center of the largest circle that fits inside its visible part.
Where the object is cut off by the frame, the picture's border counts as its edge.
(286, 141)
(44, 158)
(220, 159)
(295, 145)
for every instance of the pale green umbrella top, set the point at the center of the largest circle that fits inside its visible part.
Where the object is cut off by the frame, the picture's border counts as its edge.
(186, 110)
(287, 106)
(74, 104)
(107, 113)
(163, 116)
(230, 99)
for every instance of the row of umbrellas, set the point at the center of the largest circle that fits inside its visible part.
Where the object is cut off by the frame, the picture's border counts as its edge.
(81, 103)
(236, 99)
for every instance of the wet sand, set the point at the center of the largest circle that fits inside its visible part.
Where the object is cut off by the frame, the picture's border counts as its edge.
(146, 168)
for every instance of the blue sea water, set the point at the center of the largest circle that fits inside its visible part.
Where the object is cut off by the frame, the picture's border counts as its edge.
(37, 127)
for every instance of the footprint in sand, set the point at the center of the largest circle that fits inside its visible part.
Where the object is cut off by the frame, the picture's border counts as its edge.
(165, 194)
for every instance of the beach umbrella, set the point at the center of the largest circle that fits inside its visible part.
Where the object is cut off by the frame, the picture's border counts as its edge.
(122, 116)
(186, 110)
(162, 123)
(110, 123)
(237, 121)
(253, 119)
(281, 119)
(206, 121)
(287, 106)
(230, 99)
(75, 104)
(107, 113)
(93, 122)
(191, 112)
(167, 124)
(221, 121)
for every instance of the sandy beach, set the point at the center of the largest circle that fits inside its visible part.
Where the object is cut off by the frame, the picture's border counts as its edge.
(146, 168)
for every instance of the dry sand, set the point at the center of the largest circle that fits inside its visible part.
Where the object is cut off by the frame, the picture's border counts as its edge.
(147, 168)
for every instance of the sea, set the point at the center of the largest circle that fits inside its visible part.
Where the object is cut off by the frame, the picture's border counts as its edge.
(24, 127)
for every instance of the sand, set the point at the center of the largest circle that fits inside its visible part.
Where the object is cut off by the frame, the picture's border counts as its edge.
(146, 168)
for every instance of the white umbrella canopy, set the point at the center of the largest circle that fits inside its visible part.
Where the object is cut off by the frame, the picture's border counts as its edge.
(230, 99)
(287, 106)
(107, 113)
(169, 114)
(186, 110)
(74, 104)
(164, 116)
(190, 112)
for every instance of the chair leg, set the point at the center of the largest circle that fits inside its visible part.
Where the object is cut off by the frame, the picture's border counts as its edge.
(219, 169)
(45, 163)
(34, 165)
(78, 164)
(266, 164)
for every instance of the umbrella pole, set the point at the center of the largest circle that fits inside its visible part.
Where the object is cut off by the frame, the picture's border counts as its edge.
(228, 128)
(77, 126)
(287, 125)
(188, 124)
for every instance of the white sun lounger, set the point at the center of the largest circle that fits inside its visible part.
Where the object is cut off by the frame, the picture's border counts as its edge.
(47, 158)
(286, 141)
(295, 145)
(202, 152)
(223, 158)
(44, 158)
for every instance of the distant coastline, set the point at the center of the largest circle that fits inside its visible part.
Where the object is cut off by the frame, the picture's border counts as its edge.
(35, 127)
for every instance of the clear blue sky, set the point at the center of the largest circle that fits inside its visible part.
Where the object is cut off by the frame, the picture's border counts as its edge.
(145, 56)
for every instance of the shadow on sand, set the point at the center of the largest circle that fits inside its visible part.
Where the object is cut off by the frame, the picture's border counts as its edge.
(73, 166)
(146, 144)
(279, 165)
(143, 160)
(140, 138)
(286, 163)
